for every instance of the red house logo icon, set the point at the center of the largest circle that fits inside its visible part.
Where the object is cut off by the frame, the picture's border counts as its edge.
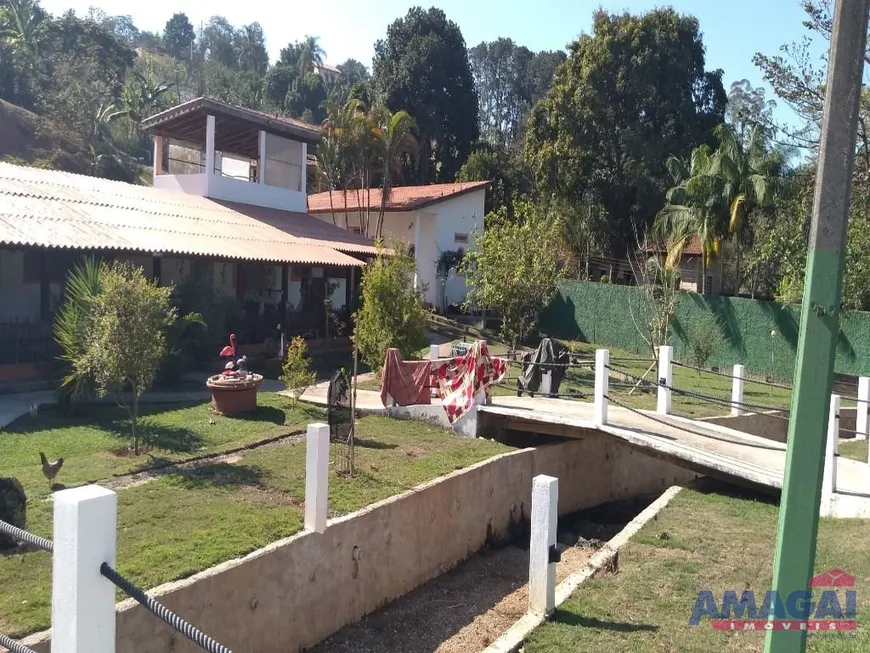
(833, 578)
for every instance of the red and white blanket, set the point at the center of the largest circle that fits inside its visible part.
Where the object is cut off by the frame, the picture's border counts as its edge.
(460, 379)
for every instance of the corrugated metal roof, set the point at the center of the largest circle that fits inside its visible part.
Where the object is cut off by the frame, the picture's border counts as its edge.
(402, 198)
(49, 208)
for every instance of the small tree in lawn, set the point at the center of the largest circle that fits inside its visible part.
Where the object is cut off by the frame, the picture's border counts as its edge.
(392, 312)
(128, 336)
(296, 374)
(514, 270)
(704, 336)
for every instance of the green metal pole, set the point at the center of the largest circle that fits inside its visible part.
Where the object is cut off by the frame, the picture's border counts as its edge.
(820, 313)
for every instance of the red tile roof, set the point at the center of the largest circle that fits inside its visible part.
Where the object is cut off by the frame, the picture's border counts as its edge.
(49, 208)
(693, 248)
(402, 198)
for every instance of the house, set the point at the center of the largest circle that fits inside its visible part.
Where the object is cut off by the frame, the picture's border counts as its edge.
(430, 219)
(691, 268)
(327, 71)
(228, 202)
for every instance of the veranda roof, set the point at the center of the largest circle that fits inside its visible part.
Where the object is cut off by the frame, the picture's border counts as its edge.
(49, 208)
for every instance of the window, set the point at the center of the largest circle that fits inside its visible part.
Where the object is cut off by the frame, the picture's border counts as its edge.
(460, 238)
(354, 230)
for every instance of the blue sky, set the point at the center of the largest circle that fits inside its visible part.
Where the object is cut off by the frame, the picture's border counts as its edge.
(733, 30)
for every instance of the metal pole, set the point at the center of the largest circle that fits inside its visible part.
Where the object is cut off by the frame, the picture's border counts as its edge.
(820, 313)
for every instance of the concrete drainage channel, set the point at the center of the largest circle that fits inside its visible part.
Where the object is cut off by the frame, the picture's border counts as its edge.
(480, 604)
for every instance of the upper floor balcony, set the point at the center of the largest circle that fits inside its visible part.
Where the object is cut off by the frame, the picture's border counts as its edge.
(205, 147)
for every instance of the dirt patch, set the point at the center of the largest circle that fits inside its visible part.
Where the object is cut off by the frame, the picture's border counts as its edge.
(462, 611)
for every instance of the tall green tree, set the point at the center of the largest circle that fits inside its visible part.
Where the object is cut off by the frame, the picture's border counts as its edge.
(513, 270)
(393, 142)
(422, 67)
(505, 168)
(695, 210)
(178, 36)
(127, 336)
(250, 44)
(630, 95)
(311, 54)
(509, 79)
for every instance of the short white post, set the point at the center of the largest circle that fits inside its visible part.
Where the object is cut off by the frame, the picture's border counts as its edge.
(862, 422)
(737, 391)
(82, 601)
(316, 477)
(666, 356)
(434, 352)
(829, 482)
(542, 568)
(602, 376)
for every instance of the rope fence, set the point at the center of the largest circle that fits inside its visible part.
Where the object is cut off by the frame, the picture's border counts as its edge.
(23, 536)
(702, 397)
(684, 428)
(13, 645)
(162, 612)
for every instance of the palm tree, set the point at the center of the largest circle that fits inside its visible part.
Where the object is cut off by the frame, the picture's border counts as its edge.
(749, 177)
(394, 142)
(695, 209)
(327, 164)
(310, 54)
(19, 23)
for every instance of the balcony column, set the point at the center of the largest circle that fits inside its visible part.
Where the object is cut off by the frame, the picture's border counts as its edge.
(261, 172)
(304, 177)
(158, 155)
(209, 149)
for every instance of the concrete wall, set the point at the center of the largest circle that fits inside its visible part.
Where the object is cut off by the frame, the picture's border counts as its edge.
(773, 426)
(298, 591)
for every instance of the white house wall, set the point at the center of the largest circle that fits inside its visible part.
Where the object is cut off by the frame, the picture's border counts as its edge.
(439, 223)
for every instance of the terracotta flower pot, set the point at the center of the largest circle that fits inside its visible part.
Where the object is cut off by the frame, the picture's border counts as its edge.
(233, 396)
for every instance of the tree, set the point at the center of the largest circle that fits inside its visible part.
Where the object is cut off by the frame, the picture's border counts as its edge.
(127, 340)
(695, 210)
(393, 142)
(630, 95)
(250, 44)
(73, 326)
(218, 42)
(178, 36)
(513, 270)
(509, 79)
(704, 336)
(20, 21)
(392, 313)
(748, 109)
(422, 67)
(506, 169)
(296, 373)
(310, 55)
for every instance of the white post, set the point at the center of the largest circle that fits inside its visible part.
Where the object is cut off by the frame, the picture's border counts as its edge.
(303, 182)
(542, 572)
(737, 391)
(261, 150)
(417, 280)
(316, 476)
(863, 404)
(158, 155)
(82, 601)
(829, 482)
(666, 355)
(602, 376)
(209, 148)
(434, 352)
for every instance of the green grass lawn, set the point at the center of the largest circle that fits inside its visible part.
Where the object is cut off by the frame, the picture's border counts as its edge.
(186, 521)
(88, 442)
(701, 541)
(856, 450)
